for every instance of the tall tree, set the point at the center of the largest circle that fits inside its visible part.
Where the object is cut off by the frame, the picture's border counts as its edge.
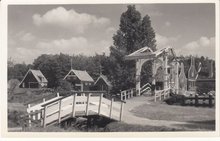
(133, 34)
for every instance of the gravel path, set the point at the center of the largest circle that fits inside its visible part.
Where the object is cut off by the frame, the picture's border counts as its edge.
(130, 118)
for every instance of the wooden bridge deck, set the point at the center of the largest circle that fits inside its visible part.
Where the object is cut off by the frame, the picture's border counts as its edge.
(78, 104)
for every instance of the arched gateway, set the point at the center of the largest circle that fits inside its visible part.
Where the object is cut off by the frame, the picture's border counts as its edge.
(159, 58)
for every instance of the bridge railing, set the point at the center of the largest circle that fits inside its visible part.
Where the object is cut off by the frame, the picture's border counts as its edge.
(145, 88)
(77, 104)
(126, 94)
(162, 94)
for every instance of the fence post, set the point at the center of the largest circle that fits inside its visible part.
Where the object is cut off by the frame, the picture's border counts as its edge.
(196, 100)
(58, 94)
(121, 110)
(183, 100)
(210, 101)
(45, 116)
(87, 105)
(110, 114)
(100, 103)
(74, 105)
(59, 114)
(121, 96)
(29, 116)
(155, 97)
(125, 95)
(160, 95)
(132, 93)
(35, 115)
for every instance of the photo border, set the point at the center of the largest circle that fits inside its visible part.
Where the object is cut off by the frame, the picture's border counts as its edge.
(3, 73)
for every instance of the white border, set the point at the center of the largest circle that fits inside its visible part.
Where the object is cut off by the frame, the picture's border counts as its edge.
(3, 73)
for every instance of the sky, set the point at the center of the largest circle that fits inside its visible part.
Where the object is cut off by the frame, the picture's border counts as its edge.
(88, 29)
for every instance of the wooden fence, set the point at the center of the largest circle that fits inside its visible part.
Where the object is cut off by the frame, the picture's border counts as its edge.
(162, 94)
(126, 94)
(199, 100)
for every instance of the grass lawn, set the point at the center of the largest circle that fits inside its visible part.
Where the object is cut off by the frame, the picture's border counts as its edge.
(199, 117)
(157, 111)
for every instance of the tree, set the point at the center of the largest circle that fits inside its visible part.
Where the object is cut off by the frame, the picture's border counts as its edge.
(133, 34)
(17, 71)
(55, 67)
(49, 67)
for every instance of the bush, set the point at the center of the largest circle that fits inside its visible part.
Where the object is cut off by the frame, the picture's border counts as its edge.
(14, 119)
(64, 85)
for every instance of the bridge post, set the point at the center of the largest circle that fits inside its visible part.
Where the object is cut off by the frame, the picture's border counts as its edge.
(87, 105)
(165, 60)
(74, 105)
(138, 75)
(45, 116)
(100, 103)
(110, 114)
(121, 110)
(59, 114)
(177, 78)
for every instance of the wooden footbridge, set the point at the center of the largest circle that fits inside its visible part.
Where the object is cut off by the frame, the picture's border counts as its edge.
(79, 104)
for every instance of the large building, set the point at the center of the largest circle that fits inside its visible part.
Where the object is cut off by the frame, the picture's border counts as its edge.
(80, 80)
(33, 79)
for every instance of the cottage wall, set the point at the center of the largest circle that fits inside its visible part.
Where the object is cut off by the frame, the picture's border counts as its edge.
(101, 85)
(87, 85)
(30, 82)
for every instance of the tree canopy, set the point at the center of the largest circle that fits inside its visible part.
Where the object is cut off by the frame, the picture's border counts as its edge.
(134, 33)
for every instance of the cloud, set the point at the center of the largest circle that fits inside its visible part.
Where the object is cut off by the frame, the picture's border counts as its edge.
(69, 19)
(27, 37)
(163, 41)
(167, 24)
(155, 13)
(110, 31)
(204, 46)
(74, 45)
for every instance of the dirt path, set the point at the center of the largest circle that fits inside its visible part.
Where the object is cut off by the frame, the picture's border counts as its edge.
(130, 118)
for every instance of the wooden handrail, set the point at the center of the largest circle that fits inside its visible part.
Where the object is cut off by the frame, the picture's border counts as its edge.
(35, 100)
(55, 100)
(74, 92)
(148, 84)
(88, 92)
